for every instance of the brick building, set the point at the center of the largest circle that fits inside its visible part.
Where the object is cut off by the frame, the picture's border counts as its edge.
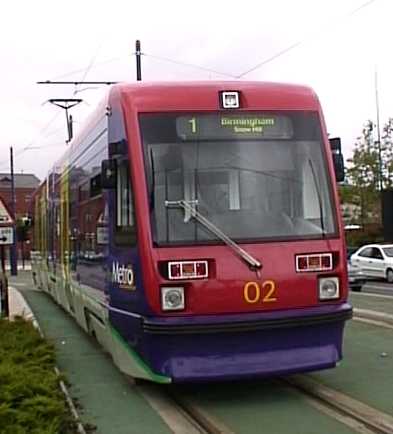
(25, 185)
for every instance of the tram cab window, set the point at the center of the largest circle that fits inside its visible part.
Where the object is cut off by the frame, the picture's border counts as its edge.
(125, 230)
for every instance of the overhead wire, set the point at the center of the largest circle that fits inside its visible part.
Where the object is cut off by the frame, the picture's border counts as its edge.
(191, 65)
(300, 42)
(77, 71)
(89, 66)
(20, 152)
(93, 64)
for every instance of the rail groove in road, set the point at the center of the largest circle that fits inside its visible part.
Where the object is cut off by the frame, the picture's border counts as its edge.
(370, 418)
(185, 416)
(182, 415)
(373, 317)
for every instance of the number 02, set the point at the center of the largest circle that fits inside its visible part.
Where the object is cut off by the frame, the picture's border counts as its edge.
(252, 292)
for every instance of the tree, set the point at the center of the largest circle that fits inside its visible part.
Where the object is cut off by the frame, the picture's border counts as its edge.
(364, 174)
(387, 153)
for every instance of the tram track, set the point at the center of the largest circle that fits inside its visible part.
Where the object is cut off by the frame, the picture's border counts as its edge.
(352, 412)
(380, 319)
(184, 415)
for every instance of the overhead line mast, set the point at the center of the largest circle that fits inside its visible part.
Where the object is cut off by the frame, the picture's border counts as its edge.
(76, 83)
(68, 103)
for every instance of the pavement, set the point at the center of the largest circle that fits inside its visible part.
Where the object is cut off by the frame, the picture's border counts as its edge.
(18, 305)
(108, 402)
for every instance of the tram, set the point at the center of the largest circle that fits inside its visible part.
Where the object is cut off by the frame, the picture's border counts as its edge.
(194, 229)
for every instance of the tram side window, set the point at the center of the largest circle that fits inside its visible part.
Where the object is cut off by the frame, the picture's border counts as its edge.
(125, 230)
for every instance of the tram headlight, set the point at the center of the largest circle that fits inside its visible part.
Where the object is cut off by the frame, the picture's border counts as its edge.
(329, 288)
(172, 298)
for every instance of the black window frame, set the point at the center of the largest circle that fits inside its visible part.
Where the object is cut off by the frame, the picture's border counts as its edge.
(376, 251)
(128, 235)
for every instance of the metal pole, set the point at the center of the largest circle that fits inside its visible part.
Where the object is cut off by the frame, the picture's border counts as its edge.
(380, 172)
(138, 60)
(14, 249)
(68, 125)
(2, 254)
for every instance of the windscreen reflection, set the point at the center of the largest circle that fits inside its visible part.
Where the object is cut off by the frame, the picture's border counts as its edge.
(250, 189)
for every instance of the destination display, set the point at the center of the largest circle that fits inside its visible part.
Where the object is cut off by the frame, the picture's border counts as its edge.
(225, 126)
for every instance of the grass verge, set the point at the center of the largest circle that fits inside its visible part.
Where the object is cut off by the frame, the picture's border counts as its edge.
(30, 397)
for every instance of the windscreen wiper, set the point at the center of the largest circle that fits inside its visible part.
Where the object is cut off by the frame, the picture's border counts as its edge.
(253, 263)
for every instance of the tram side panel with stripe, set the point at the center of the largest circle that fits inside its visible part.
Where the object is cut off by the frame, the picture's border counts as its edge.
(194, 229)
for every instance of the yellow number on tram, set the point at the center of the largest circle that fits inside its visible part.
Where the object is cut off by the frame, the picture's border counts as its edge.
(252, 292)
(270, 286)
(252, 295)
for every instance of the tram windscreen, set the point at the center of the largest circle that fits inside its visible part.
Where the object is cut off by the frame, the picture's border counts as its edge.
(255, 176)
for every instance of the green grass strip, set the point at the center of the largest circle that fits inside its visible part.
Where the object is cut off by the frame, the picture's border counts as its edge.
(30, 398)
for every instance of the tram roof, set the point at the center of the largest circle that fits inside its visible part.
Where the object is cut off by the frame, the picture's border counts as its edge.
(195, 96)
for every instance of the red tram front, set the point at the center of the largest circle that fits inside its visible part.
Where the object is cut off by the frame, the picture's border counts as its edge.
(229, 230)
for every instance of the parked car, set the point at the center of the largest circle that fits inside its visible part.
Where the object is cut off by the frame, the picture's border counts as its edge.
(375, 261)
(356, 278)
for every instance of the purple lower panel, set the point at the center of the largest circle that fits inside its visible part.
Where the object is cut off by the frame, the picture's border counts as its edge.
(225, 356)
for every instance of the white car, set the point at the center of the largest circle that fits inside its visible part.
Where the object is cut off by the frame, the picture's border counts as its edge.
(356, 278)
(375, 261)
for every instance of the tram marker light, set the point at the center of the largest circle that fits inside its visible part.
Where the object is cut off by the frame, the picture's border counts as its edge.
(172, 298)
(230, 99)
(329, 288)
(314, 262)
(179, 270)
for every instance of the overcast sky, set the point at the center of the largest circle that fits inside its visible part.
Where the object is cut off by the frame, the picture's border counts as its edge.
(334, 49)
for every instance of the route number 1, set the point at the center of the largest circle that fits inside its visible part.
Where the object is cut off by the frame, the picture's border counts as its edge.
(192, 121)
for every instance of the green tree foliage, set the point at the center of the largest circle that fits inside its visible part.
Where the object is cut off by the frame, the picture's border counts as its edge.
(387, 153)
(363, 176)
(370, 168)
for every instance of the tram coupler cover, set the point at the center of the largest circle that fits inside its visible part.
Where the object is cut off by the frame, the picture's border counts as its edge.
(4, 306)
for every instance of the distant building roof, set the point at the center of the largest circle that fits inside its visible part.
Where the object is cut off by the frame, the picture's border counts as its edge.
(22, 180)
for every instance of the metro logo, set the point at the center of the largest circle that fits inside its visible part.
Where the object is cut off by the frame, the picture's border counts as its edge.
(123, 275)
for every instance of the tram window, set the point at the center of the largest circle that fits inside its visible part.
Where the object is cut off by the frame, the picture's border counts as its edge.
(125, 231)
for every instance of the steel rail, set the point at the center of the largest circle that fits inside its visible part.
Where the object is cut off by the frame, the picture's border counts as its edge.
(357, 415)
(374, 317)
(182, 415)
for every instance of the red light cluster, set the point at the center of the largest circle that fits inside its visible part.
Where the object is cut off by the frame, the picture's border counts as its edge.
(187, 270)
(314, 262)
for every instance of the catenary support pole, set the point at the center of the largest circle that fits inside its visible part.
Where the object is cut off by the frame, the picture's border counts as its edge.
(14, 249)
(138, 60)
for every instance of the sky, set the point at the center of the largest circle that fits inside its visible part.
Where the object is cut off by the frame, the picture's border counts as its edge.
(337, 47)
